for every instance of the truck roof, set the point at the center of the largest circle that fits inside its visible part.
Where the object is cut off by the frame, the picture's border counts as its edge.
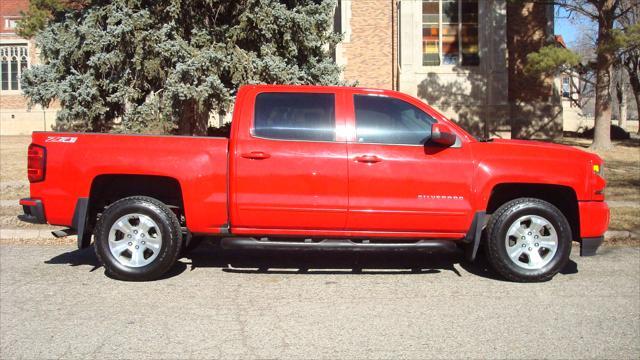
(316, 87)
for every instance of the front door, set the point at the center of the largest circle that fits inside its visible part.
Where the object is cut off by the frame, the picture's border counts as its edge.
(397, 183)
(290, 167)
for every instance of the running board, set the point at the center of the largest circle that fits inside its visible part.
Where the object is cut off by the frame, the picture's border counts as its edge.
(431, 246)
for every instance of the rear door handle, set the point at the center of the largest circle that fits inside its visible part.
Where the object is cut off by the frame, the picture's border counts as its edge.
(368, 159)
(256, 155)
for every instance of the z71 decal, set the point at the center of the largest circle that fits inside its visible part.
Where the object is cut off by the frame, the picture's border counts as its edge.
(61, 139)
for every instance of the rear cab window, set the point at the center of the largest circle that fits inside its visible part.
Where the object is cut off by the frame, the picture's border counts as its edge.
(295, 116)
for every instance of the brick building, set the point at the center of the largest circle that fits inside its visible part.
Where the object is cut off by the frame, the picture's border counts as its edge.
(464, 57)
(17, 54)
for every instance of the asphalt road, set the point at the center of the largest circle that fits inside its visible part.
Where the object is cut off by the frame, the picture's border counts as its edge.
(56, 303)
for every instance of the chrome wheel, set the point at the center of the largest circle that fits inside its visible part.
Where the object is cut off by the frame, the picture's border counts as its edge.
(531, 242)
(135, 240)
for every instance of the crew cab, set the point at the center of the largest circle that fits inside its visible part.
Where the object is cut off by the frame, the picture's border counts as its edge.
(320, 168)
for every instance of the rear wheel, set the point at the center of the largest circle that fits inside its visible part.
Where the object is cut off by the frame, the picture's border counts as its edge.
(138, 238)
(528, 240)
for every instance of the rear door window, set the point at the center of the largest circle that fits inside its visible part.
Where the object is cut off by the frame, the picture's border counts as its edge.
(295, 116)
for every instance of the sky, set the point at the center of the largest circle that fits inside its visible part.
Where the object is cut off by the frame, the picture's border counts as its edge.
(569, 28)
(564, 27)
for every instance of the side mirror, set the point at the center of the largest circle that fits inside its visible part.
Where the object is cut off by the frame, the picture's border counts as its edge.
(441, 134)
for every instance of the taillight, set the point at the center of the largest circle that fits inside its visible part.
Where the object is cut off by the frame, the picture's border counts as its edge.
(36, 163)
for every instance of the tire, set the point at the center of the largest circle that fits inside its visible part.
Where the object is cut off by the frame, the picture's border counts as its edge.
(519, 230)
(137, 239)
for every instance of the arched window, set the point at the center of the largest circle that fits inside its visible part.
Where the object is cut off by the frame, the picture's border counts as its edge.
(14, 59)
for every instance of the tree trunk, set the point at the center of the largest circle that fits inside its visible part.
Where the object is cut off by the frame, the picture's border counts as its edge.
(622, 107)
(632, 70)
(636, 94)
(193, 120)
(602, 131)
(621, 95)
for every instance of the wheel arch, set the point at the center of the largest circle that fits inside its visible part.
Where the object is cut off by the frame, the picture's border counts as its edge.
(562, 197)
(109, 188)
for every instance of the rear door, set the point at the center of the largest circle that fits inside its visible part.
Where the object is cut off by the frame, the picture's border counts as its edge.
(290, 162)
(397, 181)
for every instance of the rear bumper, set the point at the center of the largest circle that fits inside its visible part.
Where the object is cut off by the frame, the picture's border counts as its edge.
(33, 211)
(594, 221)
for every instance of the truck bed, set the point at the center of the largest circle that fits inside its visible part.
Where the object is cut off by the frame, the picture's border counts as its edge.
(75, 160)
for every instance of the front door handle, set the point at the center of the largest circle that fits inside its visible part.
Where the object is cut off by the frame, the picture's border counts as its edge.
(256, 155)
(368, 159)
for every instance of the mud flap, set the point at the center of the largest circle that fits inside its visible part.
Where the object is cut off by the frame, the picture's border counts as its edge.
(472, 240)
(79, 222)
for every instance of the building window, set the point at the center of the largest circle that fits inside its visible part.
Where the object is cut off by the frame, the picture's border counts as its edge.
(14, 59)
(450, 32)
(10, 24)
(566, 86)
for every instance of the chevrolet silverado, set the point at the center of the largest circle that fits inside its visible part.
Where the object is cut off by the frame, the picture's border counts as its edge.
(320, 168)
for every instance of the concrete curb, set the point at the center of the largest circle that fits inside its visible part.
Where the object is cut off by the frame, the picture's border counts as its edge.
(14, 183)
(33, 237)
(9, 185)
(9, 203)
(620, 235)
(623, 203)
(24, 234)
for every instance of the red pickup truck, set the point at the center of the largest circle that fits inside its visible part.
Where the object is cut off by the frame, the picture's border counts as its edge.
(320, 168)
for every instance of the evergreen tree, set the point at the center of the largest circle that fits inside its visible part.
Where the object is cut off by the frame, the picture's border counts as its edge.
(150, 66)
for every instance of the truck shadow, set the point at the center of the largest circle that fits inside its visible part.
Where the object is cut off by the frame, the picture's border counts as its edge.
(314, 263)
(78, 257)
(335, 262)
(208, 255)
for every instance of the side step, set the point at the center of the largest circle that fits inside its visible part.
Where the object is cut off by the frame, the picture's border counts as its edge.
(430, 246)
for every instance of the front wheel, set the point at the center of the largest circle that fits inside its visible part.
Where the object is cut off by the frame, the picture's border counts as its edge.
(138, 238)
(528, 240)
